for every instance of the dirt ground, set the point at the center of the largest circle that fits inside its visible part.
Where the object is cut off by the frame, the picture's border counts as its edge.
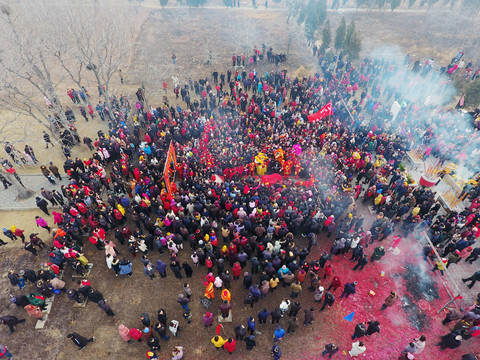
(222, 31)
(132, 296)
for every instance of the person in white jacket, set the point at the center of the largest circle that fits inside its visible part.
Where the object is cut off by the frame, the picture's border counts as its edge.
(109, 259)
(357, 349)
(284, 305)
(177, 353)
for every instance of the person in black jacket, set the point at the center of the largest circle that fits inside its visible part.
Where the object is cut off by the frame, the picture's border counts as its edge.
(373, 327)
(42, 205)
(11, 321)
(176, 269)
(348, 290)
(250, 342)
(330, 350)
(79, 340)
(361, 262)
(360, 330)
(276, 316)
(328, 299)
(240, 332)
(296, 306)
(451, 341)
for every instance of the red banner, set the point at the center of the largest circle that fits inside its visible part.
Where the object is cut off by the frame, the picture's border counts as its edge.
(167, 172)
(322, 113)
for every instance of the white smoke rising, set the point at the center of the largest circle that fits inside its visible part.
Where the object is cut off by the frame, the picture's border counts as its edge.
(426, 97)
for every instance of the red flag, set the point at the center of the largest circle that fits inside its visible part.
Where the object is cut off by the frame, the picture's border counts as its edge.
(219, 326)
(322, 113)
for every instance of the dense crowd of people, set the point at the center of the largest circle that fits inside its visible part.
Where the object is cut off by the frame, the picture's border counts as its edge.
(253, 175)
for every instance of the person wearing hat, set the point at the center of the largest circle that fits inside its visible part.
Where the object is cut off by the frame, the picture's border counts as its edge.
(451, 341)
(278, 334)
(208, 319)
(390, 300)
(250, 342)
(151, 354)
(318, 295)
(276, 352)
(348, 289)
(9, 233)
(440, 265)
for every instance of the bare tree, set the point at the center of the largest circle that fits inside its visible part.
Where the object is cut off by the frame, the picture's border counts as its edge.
(97, 38)
(295, 35)
(178, 15)
(28, 78)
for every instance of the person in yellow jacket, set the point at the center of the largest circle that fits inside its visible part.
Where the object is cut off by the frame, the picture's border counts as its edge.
(378, 199)
(121, 209)
(415, 211)
(226, 295)
(218, 341)
(209, 294)
(83, 260)
(440, 265)
(274, 283)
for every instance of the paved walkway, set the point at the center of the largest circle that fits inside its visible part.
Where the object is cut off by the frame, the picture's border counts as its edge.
(31, 181)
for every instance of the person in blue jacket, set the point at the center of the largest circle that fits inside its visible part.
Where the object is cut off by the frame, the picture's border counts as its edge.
(251, 325)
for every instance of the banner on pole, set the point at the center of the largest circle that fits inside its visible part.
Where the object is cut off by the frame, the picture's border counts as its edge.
(322, 113)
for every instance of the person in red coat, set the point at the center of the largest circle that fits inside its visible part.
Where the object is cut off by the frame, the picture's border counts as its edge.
(230, 345)
(135, 334)
(328, 271)
(18, 232)
(335, 284)
(236, 270)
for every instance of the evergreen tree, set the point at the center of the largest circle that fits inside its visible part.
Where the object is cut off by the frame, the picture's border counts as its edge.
(326, 36)
(163, 3)
(313, 15)
(394, 4)
(352, 44)
(360, 3)
(293, 8)
(340, 35)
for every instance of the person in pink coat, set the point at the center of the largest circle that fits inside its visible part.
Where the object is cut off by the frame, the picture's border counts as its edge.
(208, 319)
(57, 217)
(124, 332)
(34, 311)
